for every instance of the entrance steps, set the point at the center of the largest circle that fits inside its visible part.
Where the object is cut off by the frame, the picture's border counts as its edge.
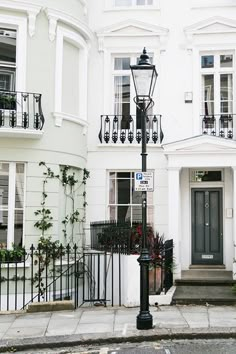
(203, 285)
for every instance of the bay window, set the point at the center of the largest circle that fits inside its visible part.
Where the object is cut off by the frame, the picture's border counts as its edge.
(11, 204)
(125, 204)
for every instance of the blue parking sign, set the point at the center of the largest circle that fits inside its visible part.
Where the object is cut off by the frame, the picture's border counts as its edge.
(139, 176)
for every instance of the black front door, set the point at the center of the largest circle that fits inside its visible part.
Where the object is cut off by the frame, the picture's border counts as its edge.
(207, 229)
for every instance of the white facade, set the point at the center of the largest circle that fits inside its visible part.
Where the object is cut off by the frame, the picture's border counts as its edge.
(192, 44)
(77, 55)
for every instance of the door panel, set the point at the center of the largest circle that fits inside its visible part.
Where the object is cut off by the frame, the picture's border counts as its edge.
(207, 230)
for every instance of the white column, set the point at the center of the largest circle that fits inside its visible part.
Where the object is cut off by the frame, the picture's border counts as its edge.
(174, 216)
(234, 221)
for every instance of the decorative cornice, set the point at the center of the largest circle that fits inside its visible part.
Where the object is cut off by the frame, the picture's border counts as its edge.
(143, 30)
(30, 9)
(54, 16)
(229, 26)
(149, 28)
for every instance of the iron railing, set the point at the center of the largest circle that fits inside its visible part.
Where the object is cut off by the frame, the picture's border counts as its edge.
(127, 129)
(220, 125)
(40, 274)
(122, 238)
(21, 110)
(58, 273)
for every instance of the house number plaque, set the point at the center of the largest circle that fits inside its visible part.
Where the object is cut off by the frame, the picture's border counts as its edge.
(207, 256)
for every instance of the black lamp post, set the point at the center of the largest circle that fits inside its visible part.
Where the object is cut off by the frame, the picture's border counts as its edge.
(144, 76)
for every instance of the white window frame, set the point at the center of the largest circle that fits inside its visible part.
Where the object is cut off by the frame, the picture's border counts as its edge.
(124, 73)
(20, 25)
(11, 202)
(77, 40)
(149, 205)
(216, 71)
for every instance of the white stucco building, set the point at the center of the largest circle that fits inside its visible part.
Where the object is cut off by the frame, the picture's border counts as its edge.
(192, 44)
(76, 56)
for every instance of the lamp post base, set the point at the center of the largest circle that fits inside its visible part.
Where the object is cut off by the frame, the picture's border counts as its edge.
(144, 320)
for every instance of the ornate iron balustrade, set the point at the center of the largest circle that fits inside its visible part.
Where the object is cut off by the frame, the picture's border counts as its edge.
(220, 125)
(21, 110)
(126, 129)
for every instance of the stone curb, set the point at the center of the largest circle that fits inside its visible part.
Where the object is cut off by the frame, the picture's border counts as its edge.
(133, 337)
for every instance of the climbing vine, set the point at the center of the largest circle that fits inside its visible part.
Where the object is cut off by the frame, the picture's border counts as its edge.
(48, 249)
(71, 186)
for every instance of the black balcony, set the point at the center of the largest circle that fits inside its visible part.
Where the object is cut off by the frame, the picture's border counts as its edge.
(21, 110)
(220, 125)
(121, 129)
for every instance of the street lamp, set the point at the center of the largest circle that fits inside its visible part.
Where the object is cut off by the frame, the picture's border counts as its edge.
(144, 76)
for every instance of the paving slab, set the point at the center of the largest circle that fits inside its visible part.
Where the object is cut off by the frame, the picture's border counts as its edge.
(96, 328)
(30, 322)
(7, 318)
(196, 320)
(19, 332)
(61, 326)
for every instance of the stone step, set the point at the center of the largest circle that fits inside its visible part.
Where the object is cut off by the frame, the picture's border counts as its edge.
(207, 273)
(204, 294)
(205, 282)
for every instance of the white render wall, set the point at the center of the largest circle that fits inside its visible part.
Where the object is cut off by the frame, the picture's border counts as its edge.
(176, 32)
(63, 140)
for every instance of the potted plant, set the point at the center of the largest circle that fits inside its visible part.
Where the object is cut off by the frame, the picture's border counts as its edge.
(13, 255)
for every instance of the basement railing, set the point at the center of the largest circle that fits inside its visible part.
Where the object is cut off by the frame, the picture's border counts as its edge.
(220, 125)
(121, 129)
(21, 110)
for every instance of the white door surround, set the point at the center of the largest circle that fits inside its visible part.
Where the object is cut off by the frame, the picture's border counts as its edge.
(201, 152)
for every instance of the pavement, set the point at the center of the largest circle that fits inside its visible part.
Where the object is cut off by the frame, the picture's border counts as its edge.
(100, 325)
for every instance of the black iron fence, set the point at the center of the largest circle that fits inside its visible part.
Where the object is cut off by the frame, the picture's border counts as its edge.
(21, 110)
(40, 274)
(220, 125)
(57, 273)
(122, 238)
(127, 129)
(97, 277)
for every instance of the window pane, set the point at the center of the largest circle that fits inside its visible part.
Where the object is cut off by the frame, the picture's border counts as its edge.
(124, 213)
(226, 61)
(7, 45)
(19, 198)
(149, 2)
(206, 176)
(122, 63)
(123, 174)
(208, 94)
(150, 215)
(226, 93)
(207, 61)
(123, 191)
(18, 227)
(140, 2)
(122, 95)
(123, 2)
(3, 228)
(4, 183)
(112, 191)
(136, 213)
(112, 213)
(122, 88)
(226, 85)
(136, 196)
